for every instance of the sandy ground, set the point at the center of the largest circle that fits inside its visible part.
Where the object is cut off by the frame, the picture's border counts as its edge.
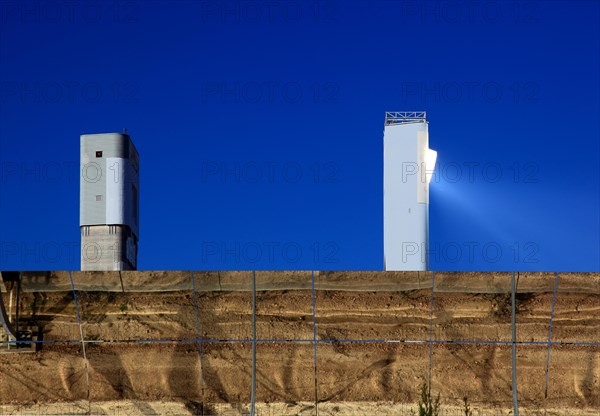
(123, 376)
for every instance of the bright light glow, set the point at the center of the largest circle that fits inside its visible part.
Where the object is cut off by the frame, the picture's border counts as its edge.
(430, 158)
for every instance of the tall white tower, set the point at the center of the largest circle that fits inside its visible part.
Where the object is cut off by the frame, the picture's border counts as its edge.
(408, 164)
(109, 202)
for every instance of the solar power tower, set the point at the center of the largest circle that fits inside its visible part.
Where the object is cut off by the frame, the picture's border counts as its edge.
(408, 165)
(109, 202)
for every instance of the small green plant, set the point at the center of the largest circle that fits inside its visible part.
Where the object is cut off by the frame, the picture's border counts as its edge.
(501, 305)
(122, 307)
(427, 405)
(468, 411)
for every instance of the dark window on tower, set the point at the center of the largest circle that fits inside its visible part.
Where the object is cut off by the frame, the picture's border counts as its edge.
(98, 153)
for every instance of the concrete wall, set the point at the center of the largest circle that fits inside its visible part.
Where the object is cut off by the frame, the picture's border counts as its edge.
(108, 247)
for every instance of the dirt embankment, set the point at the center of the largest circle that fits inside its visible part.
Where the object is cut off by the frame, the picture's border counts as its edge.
(348, 375)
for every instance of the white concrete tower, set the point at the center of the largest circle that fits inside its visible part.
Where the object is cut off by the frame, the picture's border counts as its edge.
(109, 202)
(408, 164)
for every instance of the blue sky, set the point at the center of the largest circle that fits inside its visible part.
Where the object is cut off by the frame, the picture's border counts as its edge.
(260, 125)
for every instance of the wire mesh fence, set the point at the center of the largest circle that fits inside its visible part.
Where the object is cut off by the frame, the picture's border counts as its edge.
(305, 343)
(169, 281)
